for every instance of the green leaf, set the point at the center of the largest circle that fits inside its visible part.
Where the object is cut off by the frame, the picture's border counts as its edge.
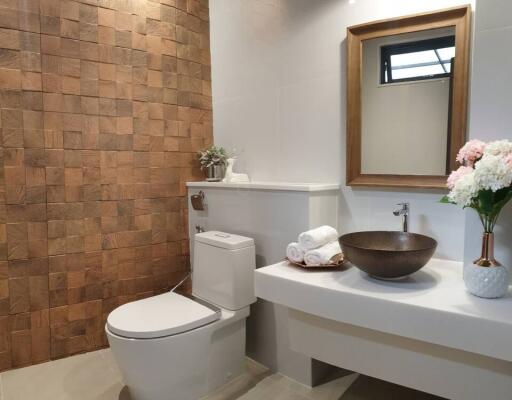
(212, 156)
(486, 201)
(501, 194)
(505, 195)
(446, 200)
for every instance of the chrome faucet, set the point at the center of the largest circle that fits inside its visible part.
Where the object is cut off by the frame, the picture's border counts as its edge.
(404, 212)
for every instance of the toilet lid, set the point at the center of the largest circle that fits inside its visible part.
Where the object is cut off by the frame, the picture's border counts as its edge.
(163, 315)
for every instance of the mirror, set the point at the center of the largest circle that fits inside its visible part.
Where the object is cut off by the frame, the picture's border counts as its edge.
(407, 97)
(405, 102)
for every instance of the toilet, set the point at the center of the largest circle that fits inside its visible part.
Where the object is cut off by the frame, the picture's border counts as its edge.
(176, 347)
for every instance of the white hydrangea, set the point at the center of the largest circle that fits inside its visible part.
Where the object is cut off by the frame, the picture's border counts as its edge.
(492, 172)
(464, 190)
(499, 148)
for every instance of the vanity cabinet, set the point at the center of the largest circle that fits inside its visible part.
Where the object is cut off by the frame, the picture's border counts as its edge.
(426, 332)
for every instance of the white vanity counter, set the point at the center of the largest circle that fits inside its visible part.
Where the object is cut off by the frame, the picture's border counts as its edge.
(431, 305)
(424, 332)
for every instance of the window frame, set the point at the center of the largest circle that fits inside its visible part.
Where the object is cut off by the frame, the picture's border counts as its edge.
(387, 51)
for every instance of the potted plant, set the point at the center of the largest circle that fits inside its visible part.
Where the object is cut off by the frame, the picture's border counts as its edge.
(213, 160)
(483, 183)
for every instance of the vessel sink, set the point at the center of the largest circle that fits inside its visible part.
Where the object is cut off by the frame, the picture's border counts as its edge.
(387, 254)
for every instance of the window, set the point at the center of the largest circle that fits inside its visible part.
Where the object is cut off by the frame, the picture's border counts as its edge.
(416, 61)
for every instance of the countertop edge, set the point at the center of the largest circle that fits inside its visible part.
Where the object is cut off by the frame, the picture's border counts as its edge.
(278, 186)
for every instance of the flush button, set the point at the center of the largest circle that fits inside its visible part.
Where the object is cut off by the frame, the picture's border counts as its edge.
(222, 235)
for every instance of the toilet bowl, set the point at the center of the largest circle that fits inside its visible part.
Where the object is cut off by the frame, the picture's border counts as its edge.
(176, 347)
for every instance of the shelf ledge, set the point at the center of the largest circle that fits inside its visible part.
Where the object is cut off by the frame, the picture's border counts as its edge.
(281, 186)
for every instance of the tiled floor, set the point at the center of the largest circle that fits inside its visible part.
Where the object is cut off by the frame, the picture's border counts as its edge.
(89, 376)
(95, 376)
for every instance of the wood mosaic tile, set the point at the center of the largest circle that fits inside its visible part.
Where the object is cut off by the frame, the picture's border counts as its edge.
(103, 106)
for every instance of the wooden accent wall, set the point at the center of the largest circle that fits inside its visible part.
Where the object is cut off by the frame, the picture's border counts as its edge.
(103, 106)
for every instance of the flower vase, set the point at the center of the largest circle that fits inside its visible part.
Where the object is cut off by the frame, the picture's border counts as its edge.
(215, 173)
(486, 277)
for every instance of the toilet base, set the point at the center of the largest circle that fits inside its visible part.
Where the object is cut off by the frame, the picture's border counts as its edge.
(186, 366)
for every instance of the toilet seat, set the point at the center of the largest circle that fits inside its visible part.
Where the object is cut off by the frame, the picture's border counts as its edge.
(159, 316)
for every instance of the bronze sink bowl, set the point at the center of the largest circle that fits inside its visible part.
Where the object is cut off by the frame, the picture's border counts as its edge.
(387, 255)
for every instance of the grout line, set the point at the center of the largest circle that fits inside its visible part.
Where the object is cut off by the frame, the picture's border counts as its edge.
(50, 344)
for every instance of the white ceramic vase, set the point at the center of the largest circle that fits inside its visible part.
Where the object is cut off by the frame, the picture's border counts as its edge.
(233, 177)
(487, 282)
(486, 277)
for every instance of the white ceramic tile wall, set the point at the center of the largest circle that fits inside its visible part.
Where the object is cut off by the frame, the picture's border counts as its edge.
(278, 71)
(491, 105)
(273, 218)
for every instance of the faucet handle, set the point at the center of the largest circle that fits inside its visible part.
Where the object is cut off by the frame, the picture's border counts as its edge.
(404, 212)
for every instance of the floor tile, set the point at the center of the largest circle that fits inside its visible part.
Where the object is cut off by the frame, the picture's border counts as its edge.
(278, 387)
(96, 376)
(366, 388)
(108, 356)
(332, 390)
(82, 377)
(236, 388)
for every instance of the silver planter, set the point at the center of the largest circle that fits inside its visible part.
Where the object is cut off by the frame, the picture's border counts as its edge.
(215, 173)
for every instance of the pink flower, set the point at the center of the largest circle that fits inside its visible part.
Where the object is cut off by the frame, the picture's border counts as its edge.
(471, 152)
(456, 175)
(508, 160)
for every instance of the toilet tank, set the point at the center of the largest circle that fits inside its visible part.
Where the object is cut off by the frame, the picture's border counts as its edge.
(223, 270)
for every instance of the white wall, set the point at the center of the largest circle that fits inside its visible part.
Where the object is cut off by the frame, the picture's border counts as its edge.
(491, 108)
(411, 118)
(272, 218)
(278, 72)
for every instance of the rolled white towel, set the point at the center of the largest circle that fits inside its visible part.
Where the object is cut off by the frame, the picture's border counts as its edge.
(318, 237)
(295, 252)
(322, 255)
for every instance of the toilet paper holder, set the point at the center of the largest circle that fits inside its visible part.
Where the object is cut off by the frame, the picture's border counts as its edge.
(197, 201)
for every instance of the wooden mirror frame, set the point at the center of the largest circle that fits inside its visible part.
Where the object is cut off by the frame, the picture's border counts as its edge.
(458, 17)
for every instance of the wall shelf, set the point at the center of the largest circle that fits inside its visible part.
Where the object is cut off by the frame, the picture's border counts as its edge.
(286, 186)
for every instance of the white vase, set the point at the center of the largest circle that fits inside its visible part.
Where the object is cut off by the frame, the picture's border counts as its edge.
(233, 177)
(487, 282)
(486, 277)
